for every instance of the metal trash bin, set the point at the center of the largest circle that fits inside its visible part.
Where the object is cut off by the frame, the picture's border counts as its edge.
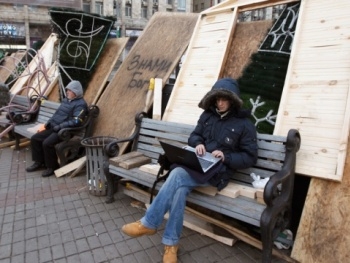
(95, 157)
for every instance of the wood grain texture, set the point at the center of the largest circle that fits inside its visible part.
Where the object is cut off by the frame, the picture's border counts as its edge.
(324, 231)
(315, 98)
(109, 56)
(154, 55)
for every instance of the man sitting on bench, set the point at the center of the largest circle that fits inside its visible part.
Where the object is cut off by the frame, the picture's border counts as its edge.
(222, 129)
(70, 113)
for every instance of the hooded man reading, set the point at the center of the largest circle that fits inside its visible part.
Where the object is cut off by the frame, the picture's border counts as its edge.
(69, 114)
(224, 130)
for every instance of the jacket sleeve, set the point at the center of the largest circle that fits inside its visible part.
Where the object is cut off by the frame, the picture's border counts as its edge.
(196, 136)
(247, 153)
(77, 117)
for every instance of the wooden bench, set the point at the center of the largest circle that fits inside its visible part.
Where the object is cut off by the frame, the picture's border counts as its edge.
(277, 158)
(20, 109)
(70, 148)
(46, 110)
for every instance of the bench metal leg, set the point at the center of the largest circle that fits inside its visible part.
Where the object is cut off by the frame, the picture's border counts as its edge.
(111, 183)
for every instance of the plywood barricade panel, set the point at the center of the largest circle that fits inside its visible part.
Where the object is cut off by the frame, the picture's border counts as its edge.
(246, 40)
(42, 60)
(206, 57)
(154, 55)
(202, 66)
(315, 98)
(324, 231)
(109, 56)
(9, 64)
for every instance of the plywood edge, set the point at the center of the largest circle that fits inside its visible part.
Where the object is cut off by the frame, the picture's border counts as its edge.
(70, 167)
(344, 139)
(122, 43)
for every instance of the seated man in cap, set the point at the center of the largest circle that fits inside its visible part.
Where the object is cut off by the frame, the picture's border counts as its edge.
(222, 129)
(69, 114)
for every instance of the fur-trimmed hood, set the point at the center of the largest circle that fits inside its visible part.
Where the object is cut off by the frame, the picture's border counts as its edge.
(226, 87)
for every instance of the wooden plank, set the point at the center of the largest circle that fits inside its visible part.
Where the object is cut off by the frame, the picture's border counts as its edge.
(157, 99)
(304, 101)
(69, 167)
(204, 228)
(11, 143)
(233, 190)
(134, 162)
(118, 159)
(203, 43)
(324, 228)
(103, 68)
(240, 234)
(150, 168)
(208, 190)
(9, 63)
(192, 222)
(45, 55)
(148, 58)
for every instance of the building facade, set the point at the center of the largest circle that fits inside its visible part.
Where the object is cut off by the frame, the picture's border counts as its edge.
(23, 22)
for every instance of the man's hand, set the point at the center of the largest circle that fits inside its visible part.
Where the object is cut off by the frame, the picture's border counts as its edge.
(56, 128)
(218, 154)
(47, 125)
(200, 149)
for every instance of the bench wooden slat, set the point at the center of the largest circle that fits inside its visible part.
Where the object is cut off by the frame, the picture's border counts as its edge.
(269, 137)
(163, 135)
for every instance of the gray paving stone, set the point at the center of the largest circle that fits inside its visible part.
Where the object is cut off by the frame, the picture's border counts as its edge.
(45, 255)
(31, 244)
(18, 248)
(53, 225)
(43, 241)
(32, 256)
(99, 255)
(57, 251)
(82, 245)
(70, 248)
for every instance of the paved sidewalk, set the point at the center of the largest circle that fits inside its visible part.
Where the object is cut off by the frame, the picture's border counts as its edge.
(57, 220)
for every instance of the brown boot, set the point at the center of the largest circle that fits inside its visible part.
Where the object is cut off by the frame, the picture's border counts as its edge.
(136, 229)
(170, 254)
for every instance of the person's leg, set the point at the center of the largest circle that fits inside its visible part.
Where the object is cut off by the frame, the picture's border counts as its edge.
(172, 198)
(49, 151)
(36, 143)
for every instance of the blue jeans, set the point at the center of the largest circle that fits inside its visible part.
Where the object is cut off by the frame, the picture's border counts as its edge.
(171, 198)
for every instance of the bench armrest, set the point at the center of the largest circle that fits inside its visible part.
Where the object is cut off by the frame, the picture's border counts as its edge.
(67, 133)
(279, 188)
(112, 149)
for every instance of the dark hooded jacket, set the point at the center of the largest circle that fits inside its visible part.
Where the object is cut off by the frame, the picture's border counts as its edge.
(233, 134)
(70, 113)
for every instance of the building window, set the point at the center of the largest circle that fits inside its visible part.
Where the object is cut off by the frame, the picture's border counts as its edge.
(202, 6)
(128, 10)
(144, 12)
(86, 7)
(99, 8)
(170, 2)
(196, 8)
(181, 5)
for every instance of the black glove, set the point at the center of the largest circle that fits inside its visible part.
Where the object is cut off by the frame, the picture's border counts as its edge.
(56, 128)
(47, 125)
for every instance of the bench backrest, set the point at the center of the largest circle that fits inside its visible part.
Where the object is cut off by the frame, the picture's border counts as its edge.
(21, 101)
(271, 152)
(46, 110)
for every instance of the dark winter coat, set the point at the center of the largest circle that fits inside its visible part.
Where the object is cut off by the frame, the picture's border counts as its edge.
(234, 135)
(70, 113)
